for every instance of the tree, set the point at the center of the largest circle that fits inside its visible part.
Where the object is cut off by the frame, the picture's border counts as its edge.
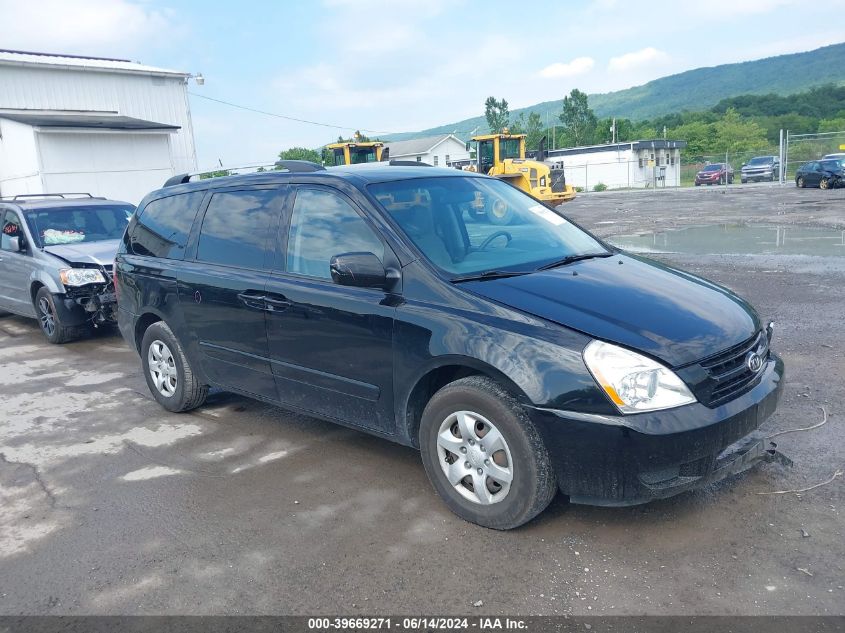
(735, 134)
(300, 153)
(832, 125)
(532, 127)
(497, 114)
(579, 122)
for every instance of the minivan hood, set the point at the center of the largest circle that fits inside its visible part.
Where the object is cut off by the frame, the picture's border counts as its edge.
(101, 253)
(669, 314)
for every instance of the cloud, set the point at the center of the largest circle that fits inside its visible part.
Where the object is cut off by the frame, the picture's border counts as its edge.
(92, 27)
(645, 57)
(577, 66)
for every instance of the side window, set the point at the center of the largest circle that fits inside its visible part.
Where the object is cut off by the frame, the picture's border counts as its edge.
(163, 226)
(236, 227)
(11, 228)
(323, 225)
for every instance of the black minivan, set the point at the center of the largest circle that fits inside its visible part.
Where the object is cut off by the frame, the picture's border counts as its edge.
(520, 359)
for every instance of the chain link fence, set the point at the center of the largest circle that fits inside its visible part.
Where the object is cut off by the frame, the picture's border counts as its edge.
(801, 148)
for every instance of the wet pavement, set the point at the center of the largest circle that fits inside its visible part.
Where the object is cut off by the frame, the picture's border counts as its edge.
(109, 504)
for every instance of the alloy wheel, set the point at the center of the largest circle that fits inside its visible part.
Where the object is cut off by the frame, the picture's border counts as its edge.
(162, 367)
(46, 316)
(824, 183)
(475, 457)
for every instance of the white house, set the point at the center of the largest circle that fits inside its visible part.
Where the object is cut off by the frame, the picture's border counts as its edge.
(435, 150)
(109, 127)
(636, 164)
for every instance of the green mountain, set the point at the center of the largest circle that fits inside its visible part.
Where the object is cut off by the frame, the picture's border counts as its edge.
(693, 90)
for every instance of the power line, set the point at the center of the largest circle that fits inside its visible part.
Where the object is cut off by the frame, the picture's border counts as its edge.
(287, 118)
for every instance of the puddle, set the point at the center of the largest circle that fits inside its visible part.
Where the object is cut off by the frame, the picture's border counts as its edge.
(737, 239)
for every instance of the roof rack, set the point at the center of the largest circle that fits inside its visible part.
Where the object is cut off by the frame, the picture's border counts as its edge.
(408, 163)
(301, 166)
(26, 196)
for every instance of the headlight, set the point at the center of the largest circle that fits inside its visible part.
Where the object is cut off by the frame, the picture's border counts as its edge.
(81, 276)
(633, 382)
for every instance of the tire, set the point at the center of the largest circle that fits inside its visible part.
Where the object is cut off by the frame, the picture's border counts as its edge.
(824, 183)
(178, 389)
(48, 319)
(698, 184)
(479, 405)
(800, 183)
(743, 181)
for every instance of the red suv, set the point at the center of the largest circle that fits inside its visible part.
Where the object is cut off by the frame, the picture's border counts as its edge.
(715, 173)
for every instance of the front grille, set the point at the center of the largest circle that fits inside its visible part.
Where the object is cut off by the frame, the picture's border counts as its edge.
(558, 179)
(728, 373)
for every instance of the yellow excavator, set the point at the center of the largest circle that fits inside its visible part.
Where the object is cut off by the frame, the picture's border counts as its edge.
(503, 156)
(354, 153)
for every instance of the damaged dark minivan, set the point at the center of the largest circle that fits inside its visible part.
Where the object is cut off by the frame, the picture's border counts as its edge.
(56, 254)
(520, 359)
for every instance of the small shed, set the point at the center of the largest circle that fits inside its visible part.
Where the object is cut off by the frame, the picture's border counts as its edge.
(633, 164)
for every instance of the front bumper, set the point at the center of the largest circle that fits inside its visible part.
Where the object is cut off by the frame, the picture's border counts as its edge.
(759, 175)
(626, 460)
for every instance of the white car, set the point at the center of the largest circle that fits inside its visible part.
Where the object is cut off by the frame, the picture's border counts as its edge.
(839, 155)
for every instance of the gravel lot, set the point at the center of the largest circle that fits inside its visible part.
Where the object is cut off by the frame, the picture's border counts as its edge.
(111, 505)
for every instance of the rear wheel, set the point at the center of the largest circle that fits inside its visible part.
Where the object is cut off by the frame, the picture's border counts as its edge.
(51, 324)
(167, 370)
(824, 183)
(484, 456)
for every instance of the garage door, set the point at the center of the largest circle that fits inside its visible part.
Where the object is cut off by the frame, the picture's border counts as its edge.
(122, 166)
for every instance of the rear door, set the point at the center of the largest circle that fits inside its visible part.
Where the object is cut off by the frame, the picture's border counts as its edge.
(330, 345)
(813, 175)
(222, 286)
(15, 267)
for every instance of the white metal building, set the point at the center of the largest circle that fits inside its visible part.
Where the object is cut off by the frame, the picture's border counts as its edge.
(636, 164)
(110, 127)
(435, 150)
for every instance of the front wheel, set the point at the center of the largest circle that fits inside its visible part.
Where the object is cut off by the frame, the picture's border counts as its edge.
(799, 182)
(484, 456)
(50, 321)
(169, 375)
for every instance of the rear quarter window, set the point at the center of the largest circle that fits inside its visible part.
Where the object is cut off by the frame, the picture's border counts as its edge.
(163, 225)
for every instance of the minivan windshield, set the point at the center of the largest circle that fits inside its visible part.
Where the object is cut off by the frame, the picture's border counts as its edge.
(469, 225)
(75, 224)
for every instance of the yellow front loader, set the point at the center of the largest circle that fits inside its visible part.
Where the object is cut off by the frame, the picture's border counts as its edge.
(503, 156)
(357, 153)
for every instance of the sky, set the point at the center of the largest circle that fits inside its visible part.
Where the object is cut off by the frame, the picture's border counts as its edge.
(401, 65)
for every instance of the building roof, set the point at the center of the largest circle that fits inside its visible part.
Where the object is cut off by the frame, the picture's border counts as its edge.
(90, 120)
(418, 145)
(659, 143)
(29, 58)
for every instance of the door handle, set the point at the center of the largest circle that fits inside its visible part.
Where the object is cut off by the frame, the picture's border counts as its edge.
(251, 300)
(276, 303)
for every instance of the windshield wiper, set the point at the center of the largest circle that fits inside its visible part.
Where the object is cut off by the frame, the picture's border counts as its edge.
(573, 258)
(489, 274)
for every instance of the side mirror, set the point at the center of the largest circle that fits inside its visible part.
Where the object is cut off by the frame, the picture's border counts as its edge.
(743, 164)
(361, 270)
(16, 244)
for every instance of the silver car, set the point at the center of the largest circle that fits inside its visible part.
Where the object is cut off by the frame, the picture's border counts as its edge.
(56, 256)
(761, 168)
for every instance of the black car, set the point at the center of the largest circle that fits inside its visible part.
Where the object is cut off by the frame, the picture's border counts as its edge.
(826, 174)
(520, 360)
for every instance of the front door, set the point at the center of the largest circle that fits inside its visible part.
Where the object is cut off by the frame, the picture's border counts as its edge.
(330, 345)
(15, 266)
(221, 286)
